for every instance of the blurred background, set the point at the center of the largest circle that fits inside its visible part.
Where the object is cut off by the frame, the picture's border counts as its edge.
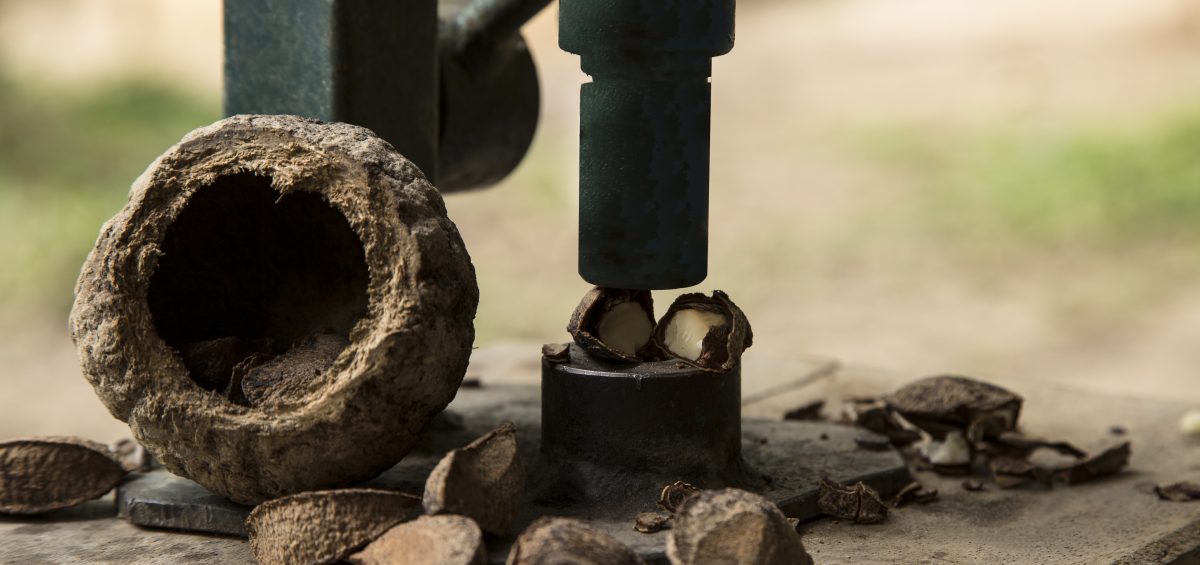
(1000, 188)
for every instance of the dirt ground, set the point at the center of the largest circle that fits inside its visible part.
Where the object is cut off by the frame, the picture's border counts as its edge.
(802, 74)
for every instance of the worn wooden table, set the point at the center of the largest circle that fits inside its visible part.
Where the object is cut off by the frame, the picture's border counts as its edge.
(1117, 520)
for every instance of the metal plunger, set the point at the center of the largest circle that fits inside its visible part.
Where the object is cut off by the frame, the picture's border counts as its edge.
(644, 136)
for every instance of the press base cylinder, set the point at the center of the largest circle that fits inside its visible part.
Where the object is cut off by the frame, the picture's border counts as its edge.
(662, 417)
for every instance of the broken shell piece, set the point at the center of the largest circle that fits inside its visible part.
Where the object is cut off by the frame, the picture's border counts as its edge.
(937, 404)
(972, 485)
(810, 412)
(554, 541)
(674, 494)
(42, 474)
(1016, 445)
(708, 332)
(914, 492)
(951, 451)
(429, 540)
(650, 522)
(733, 526)
(1179, 492)
(613, 323)
(859, 504)
(483, 481)
(1008, 472)
(876, 417)
(1106, 462)
(557, 352)
(324, 526)
(292, 376)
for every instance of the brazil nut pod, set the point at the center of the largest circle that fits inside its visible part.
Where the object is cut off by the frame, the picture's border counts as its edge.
(314, 250)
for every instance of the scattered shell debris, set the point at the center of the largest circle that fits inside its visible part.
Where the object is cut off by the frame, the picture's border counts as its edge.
(555, 541)
(1185, 491)
(809, 412)
(673, 495)
(859, 504)
(324, 526)
(948, 403)
(38, 475)
(429, 540)
(914, 492)
(1105, 463)
(483, 481)
(951, 450)
(557, 352)
(651, 522)
(956, 425)
(732, 526)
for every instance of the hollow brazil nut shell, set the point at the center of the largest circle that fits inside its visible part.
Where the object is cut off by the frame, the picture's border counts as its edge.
(285, 229)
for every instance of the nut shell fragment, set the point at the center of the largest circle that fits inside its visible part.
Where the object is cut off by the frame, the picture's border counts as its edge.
(43, 474)
(651, 522)
(556, 541)
(557, 352)
(707, 332)
(429, 540)
(1107, 462)
(320, 527)
(939, 404)
(483, 481)
(674, 495)
(1178, 492)
(859, 503)
(394, 277)
(613, 323)
(733, 526)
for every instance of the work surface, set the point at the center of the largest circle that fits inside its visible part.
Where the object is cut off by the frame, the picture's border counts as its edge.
(1113, 520)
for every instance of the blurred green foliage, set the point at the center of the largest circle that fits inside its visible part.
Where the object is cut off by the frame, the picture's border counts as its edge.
(67, 158)
(1079, 188)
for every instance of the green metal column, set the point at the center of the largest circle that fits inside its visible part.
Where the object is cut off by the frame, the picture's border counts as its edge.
(644, 136)
(371, 63)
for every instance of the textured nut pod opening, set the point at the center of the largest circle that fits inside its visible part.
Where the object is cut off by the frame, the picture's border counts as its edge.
(306, 262)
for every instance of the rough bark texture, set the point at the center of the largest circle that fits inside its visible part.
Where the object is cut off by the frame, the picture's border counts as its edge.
(409, 329)
(428, 540)
(42, 474)
(313, 528)
(555, 541)
(484, 481)
(733, 526)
